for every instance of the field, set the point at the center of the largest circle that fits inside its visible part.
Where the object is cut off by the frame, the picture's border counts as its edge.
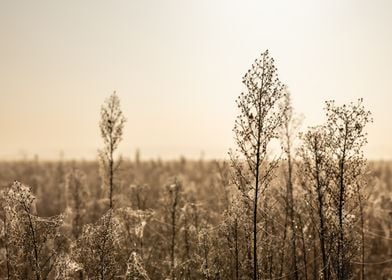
(313, 208)
(265, 130)
(177, 219)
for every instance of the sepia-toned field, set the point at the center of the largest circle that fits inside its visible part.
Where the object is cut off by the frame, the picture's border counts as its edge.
(203, 232)
(280, 197)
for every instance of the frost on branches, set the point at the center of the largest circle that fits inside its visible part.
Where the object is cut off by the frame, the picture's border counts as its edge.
(98, 246)
(29, 239)
(135, 269)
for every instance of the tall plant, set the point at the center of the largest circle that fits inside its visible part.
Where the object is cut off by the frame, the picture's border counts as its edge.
(258, 122)
(111, 126)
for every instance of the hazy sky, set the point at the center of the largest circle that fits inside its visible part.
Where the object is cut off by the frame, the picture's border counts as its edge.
(177, 67)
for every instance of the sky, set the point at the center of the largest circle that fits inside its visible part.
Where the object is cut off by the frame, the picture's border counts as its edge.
(177, 67)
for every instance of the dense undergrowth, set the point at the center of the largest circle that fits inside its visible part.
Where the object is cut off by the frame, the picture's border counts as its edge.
(203, 233)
